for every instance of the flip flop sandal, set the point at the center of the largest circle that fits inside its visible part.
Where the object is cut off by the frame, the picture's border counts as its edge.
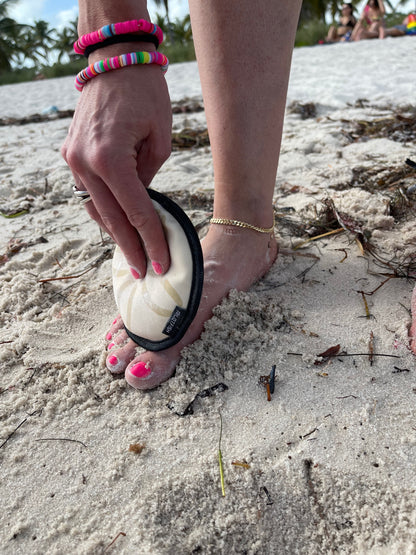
(157, 310)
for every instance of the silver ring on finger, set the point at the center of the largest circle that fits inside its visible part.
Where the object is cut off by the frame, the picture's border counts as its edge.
(82, 196)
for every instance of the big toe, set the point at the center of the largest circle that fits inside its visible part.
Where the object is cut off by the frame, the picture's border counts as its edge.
(151, 369)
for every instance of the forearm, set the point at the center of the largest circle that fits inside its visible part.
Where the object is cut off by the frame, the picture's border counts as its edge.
(381, 7)
(93, 14)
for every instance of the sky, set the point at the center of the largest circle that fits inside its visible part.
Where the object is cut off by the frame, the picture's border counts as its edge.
(60, 12)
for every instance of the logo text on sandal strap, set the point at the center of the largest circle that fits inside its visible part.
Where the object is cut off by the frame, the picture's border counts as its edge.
(175, 321)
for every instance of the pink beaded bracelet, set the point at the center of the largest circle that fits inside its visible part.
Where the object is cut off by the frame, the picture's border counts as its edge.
(117, 62)
(122, 28)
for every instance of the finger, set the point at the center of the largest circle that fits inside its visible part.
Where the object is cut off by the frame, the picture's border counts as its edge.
(89, 206)
(152, 154)
(115, 221)
(139, 211)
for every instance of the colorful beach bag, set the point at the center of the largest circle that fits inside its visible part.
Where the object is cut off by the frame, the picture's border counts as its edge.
(411, 24)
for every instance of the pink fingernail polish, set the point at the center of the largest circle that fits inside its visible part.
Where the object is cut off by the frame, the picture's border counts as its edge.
(108, 336)
(135, 273)
(157, 268)
(141, 370)
(110, 346)
(113, 360)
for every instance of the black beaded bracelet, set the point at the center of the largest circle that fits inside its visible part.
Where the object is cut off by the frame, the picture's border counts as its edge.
(116, 39)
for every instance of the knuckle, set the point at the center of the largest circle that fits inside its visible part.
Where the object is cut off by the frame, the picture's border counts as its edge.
(102, 158)
(73, 157)
(138, 218)
(111, 222)
(64, 150)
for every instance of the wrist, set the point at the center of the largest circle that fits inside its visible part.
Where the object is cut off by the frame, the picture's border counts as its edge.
(96, 14)
(118, 49)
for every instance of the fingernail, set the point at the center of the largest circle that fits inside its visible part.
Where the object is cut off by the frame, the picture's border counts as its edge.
(108, 336)
(157, 268)
(135, 273)
(141, 370)
(110, 346)
(113, 360)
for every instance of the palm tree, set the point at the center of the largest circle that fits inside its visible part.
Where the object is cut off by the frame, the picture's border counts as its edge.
(7, 30)
(166, 6)
(41, 39)
(181, 31)
(313, 9)
(65, 39)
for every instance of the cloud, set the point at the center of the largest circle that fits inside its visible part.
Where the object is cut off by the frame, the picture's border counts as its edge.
(64, 17)
(27, 11)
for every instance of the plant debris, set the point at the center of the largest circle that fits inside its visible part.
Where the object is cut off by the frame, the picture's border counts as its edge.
(16, 245)
(304, 110)
(269, 382)
(190, 138)
(242, 464)
(220, 461)
(187, 106)
(37, 118)
(61, 439)
(115, 539)
(326, 355)
(218, 388)
(399, 126)
(136, 447)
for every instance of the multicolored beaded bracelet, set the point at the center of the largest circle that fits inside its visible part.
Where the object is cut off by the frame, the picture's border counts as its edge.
(122, 28)
(117, 62)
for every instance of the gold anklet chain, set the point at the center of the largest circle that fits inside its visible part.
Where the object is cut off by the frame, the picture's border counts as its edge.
(237, 223)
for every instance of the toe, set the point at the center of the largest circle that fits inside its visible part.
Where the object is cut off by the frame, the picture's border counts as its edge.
(118, 359)
(116, 326)
(151, 369)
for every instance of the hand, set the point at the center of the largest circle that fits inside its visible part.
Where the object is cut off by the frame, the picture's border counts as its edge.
(119, 138)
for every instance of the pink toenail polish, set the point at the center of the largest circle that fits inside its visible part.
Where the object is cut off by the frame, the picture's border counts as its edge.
(157, 268)
(135, 273)
(115, 320)
(113, 360)
(110, 346)
(141, 370)
(108, 336)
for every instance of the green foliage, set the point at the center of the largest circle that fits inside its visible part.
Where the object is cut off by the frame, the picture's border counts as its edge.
(178, 44)
(179, 52)
(311, 33)
(393, 19)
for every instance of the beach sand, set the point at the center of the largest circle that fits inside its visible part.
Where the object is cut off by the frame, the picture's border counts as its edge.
(89, 465)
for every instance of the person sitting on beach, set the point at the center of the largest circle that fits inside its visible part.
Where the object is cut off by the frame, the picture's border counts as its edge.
(343, 29)
(371, 22)
(121, 135)
(407, 27)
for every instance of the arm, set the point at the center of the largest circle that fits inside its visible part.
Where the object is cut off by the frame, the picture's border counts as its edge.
(381, 8)
(119, 138)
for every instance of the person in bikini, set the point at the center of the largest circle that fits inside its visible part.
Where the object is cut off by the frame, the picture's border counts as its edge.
(371, 22)
(342, 31)
(407, 27)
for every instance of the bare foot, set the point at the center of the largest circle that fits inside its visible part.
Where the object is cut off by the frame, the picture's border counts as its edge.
(234, 258)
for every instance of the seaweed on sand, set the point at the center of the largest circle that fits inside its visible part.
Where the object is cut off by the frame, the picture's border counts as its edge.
(399, 126)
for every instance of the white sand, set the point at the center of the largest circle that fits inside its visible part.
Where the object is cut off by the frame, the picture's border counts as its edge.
(336, 446)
